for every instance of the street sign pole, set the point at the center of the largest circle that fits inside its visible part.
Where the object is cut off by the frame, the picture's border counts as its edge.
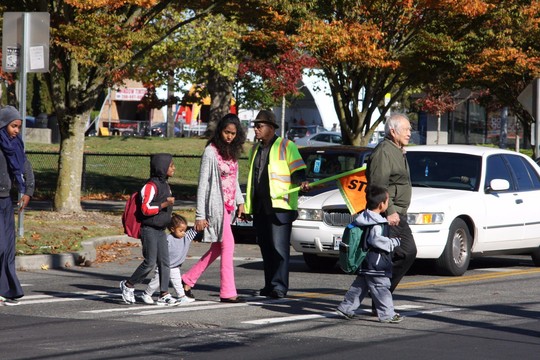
(23, 77)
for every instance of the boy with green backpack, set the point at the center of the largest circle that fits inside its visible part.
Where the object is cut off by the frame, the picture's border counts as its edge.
(375, 271)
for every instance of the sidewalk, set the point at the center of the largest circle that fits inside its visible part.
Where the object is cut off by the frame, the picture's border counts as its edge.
(103, 205)
(88, 251)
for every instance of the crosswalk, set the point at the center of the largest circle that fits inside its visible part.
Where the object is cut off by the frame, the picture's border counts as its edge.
(115, 305)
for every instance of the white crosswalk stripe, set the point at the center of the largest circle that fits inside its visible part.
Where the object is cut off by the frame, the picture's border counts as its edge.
(407, 310)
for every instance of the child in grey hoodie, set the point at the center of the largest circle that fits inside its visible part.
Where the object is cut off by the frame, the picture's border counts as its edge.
(375, 272)
(179, 240)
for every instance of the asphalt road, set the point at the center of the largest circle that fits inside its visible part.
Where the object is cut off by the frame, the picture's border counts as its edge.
(492, 312)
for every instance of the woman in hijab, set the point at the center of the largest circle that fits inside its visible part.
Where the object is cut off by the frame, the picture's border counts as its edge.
(13, 165)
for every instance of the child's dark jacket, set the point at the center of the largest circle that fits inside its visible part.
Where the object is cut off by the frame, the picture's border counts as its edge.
(155, 192)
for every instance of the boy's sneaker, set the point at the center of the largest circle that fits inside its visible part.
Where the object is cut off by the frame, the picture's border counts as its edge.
(167, 300)
(128, 294)
(184, 300)
(344, 315)
(8, 302)
(147, 299)
(396, 319)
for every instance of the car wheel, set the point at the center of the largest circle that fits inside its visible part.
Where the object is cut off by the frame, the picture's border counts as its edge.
(535, 255)
(319, 263)
(457, 253)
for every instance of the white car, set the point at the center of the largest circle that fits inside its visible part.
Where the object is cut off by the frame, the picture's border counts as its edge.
(324, 138)
(466, 201)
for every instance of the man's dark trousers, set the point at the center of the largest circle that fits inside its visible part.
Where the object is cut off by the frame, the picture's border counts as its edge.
(273, 238)
(404, 254)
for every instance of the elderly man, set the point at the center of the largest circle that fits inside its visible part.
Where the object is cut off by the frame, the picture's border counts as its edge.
(387, 167)
(275, 167)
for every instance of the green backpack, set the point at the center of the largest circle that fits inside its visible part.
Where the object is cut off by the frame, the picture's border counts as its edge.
(353, 248)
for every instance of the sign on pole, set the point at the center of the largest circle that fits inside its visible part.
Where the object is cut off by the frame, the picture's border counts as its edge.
(13, 36)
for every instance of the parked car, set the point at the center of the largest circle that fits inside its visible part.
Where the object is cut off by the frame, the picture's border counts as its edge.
(297, 132)
(324, 138)
(466, 201)
(321, 162)
(161, 129)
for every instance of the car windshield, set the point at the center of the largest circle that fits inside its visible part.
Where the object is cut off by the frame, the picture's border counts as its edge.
(444, 170)
(298, 132)
(323, 165)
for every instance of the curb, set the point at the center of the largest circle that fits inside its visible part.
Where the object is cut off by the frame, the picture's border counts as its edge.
(66, 260)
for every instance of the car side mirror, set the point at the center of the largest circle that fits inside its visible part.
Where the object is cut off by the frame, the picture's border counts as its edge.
(496, 185)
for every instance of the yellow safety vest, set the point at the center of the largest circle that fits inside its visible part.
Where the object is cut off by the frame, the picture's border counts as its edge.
(284, 159)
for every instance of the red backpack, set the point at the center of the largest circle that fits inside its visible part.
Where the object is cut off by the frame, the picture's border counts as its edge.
(131, 218)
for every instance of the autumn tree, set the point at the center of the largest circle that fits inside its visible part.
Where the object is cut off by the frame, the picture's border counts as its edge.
(92, 41)
(205, 52)
(372, 48)
(510, 58)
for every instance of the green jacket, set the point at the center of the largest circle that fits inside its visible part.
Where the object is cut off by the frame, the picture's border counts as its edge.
(387, 167)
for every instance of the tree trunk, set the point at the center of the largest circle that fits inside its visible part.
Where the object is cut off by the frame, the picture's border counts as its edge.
(220, 90)
(68, 188)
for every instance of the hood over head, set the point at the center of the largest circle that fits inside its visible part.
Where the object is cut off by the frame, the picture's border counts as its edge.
(159, 164)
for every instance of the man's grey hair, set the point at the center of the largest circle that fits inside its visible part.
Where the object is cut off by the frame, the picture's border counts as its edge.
(394, 122)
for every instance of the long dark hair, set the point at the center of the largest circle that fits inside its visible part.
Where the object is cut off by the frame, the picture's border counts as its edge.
(234, 149)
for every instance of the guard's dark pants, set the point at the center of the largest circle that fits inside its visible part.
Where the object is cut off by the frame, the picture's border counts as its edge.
(273, 238)
(405, 254)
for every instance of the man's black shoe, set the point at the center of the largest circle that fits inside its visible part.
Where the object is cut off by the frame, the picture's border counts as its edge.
(265, 292)
(276, 294)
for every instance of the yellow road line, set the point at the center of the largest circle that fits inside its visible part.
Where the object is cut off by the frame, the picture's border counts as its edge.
(432, 282)
(466, 279)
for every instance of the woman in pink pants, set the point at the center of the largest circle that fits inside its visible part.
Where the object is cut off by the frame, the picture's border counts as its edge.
(218, 196)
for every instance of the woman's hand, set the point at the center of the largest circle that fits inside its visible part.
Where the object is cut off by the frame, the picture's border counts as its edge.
(240, 212)
(200, 225)
(25, 199)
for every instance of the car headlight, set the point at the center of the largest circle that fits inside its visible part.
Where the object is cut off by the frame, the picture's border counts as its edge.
(310, 214)
(425, 218)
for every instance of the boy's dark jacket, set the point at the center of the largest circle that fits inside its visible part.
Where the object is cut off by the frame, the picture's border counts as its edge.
(159, 165)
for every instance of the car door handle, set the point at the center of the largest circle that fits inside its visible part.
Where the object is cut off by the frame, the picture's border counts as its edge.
(519, 201)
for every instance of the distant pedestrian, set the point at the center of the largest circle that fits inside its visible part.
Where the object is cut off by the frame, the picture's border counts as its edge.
(376, 270)
(218, 197)
(13, 166)
(156, 207)
(178, 240)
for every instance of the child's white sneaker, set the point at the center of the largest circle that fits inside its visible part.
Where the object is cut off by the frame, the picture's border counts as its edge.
(185, 300)
(167, 300)
(128, 294)
(147, 299)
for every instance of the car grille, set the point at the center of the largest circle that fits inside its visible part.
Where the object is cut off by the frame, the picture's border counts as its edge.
(337, 217)
(311, 245)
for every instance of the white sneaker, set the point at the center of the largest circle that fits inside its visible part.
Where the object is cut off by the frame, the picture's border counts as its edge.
(184, 300)
(128, 294)
(9, 302)
(147, 299)
(167, 300)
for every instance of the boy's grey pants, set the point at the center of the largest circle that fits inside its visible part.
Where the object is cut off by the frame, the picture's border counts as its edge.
(378, 286)
(155, 250)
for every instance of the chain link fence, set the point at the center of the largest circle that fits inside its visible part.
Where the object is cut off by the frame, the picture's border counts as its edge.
(114, 174)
